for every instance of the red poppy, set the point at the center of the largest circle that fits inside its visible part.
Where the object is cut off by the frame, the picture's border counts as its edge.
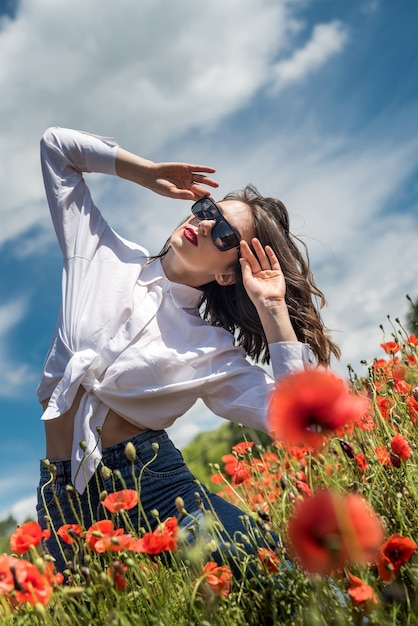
(390, 347)
(231, 462)
(396, 551)
(383, 455)
(269, 560)
(30, 585)
(68, 532)
(117, 573)
(365, 422)
(163, 539)
(235, 468)
(330, 529)
(6, 576)
(385, 405)
(102, 537)
(310, 403)
(241, 473)
(218, 478)
(413, 340)
(400, 447)
(244, 447)
(27, 535)
(124, 500)
(218, 578)
(402, 388)
(361, 593)
(361, 461)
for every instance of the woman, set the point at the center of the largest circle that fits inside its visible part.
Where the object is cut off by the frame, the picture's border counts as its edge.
(131, 353)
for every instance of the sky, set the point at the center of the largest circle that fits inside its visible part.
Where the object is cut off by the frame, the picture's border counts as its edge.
(313, 101)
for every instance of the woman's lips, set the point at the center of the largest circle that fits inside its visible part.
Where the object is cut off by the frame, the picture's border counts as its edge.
(190, 235)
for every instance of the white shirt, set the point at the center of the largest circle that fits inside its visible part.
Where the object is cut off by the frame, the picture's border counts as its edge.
(131, 338)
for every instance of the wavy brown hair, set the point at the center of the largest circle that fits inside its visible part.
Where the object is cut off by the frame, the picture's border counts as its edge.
(230, 307)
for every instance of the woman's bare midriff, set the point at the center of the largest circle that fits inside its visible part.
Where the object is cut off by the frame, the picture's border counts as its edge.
(59, 431)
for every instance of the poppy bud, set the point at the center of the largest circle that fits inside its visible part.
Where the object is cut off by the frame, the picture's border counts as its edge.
(130, 451)
(395, 460)
(347, 448)
(106, 472)
(179, 504)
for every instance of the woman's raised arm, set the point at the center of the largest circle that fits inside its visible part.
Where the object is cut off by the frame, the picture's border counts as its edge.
(176, 180)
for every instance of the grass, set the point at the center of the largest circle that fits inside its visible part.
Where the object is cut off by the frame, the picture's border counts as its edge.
(373, 456)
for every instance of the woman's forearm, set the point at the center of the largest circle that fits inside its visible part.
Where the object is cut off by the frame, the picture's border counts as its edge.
(133, 167)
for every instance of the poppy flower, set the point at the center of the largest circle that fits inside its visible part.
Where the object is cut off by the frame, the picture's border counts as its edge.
(383, 455)
(30, 585)
(244, 447)
(361, 461)
(68, 532)
(329, 529)
(308, 404)
(124, 500)
(413, 340)
(396, 551)
(27, 535)
(102, 537)
(6, 576)
(241, 473)
(390, 347)
(360, 592)
(218, 578)
(117, 573)
(218, 478)
(400, 446)
(162, 539)
(269, 560)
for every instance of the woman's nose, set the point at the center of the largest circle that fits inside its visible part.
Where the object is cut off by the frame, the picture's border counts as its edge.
(205, 227)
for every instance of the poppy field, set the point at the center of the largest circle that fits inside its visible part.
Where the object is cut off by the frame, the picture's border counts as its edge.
(334, 499)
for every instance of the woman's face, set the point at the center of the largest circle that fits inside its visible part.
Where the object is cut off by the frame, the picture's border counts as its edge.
(193, 259)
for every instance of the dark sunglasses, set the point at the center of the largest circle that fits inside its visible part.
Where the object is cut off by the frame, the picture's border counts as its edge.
(224, 236)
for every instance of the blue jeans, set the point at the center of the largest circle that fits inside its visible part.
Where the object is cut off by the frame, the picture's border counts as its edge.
(164, 477)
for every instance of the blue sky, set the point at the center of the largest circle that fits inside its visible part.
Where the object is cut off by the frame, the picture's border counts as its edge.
(314, 102)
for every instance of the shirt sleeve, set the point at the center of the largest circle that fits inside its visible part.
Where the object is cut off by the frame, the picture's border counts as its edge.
(65, 155)
(240, 391)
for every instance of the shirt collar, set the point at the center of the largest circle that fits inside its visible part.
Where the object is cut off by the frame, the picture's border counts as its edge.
(184, 297)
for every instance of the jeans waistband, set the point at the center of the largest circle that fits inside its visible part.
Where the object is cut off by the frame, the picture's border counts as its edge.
(142, 441)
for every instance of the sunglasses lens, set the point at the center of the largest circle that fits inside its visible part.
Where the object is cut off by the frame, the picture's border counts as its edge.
(224, 237)
(205, 209)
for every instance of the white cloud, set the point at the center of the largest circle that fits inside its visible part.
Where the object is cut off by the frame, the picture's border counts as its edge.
(14, 374)
(21, 510)
(327, 40)
(152, 70)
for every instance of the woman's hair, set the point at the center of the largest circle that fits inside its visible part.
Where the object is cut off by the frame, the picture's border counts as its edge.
(230, 307)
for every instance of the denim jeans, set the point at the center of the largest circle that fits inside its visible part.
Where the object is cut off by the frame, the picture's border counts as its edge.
(163, 476)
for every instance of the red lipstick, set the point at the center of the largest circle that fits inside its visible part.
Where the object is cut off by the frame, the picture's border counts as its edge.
(190, 235)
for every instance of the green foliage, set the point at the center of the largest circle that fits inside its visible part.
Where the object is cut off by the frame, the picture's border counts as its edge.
(412, 316)
(7, 526)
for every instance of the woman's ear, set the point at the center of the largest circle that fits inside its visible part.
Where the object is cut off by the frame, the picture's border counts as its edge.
(227, 278)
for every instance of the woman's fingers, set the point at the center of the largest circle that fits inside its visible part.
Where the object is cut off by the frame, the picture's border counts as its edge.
(202, 179)
(263, 259)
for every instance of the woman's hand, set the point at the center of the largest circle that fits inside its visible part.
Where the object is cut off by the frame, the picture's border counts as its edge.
(174, 180)
(266, 287)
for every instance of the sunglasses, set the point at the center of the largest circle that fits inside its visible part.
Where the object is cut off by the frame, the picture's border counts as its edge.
(224, 236)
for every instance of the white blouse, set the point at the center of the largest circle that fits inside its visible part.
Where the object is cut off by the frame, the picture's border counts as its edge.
(131, 338)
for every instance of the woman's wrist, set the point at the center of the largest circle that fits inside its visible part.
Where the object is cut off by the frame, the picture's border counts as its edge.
(133, 167)
(276, 323)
